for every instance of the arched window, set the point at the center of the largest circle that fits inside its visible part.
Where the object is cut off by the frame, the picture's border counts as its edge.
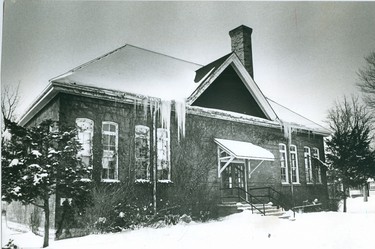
(142, 152)
(318, 176)
(294, 163)
(110, 148)
(85, 133)
(163, 154)
(308, 168)
(283, 163)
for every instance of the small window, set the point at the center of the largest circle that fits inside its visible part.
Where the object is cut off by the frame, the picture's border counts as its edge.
(294, 163)
(163, 156)
(283, 163)
(85, 132)
(308, 168)
(142, 152)
(317, 173)
(110, 155)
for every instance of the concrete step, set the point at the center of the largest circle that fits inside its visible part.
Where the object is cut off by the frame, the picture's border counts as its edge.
(268, 208)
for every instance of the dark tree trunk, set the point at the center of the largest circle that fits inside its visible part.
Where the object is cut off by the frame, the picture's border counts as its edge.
(344, 210)
(365, 199)
(46, 222)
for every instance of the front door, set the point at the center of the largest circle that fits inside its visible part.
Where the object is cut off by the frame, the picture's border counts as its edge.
(233, 176)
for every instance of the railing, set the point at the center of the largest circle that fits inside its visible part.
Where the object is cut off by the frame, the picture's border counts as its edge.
(272, 195)
(239, 194)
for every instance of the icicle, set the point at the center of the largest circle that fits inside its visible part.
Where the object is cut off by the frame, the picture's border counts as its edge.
(165, 114)
(145, 105)
(180, 110)
(287, 131)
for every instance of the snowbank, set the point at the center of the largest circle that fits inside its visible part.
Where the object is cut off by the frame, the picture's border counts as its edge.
(324, 230)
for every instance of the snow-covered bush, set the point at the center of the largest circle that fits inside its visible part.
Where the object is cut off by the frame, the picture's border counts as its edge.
(116, 207)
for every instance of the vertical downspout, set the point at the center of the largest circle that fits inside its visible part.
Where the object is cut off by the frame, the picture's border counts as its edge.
(290, 167)
(246, 172)
(155, 156)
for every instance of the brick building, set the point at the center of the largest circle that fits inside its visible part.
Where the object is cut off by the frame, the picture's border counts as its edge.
(159, 122)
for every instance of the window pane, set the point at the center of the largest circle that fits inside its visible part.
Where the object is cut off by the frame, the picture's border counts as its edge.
(110, 156)
(85, 129)
(283, 163)
(142, 152)
(163, 164)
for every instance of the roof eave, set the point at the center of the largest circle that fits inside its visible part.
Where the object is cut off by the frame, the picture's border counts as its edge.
(41, 101)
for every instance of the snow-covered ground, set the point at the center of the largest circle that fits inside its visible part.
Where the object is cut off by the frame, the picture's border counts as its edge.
(323, 230)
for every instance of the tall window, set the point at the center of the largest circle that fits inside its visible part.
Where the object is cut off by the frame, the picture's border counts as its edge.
(308, 168)
(142, 152)
(294, 163)
(163, 156)
(110, 156)
(85, 132)
(283, 164)
(318, 176)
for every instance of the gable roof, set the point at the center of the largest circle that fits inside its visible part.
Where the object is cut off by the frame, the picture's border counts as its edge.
(141, 72)
(203, 72)
(217, 67)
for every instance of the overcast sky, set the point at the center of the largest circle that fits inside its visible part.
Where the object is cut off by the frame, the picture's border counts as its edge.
(306, 54)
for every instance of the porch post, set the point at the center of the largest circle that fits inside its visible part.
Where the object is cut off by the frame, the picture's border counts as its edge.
(246, 172)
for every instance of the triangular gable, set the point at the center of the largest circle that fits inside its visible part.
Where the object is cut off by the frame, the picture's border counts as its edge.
(214, 70)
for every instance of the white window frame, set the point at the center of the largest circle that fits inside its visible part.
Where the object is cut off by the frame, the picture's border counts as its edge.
(284, 161)
(85, 126)
(167, 152)
(308, 166)
(294, 163)
(316, 155)
(110, 153)
(141, 159)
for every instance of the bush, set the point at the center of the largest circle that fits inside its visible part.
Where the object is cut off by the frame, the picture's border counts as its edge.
(10, 245)
(334, 204)
(116, 207)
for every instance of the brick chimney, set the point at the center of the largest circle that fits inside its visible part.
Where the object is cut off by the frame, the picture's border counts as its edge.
(241, 45)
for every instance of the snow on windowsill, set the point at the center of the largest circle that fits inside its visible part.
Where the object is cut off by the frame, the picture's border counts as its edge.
(288, 184)
(142, 181)
(165, 181)
(110, 180)
(86, 180)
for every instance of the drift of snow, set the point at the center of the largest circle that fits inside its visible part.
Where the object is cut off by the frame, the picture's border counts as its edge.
(322, 230)
(36, 153)
(14, 162)
(7, 136)
(38, 178)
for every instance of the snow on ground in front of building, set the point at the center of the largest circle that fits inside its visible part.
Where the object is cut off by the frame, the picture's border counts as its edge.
(323, 230)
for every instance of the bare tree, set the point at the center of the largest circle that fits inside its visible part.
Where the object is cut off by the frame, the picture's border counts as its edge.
(9, 100)
(349, 154)
(367, 80)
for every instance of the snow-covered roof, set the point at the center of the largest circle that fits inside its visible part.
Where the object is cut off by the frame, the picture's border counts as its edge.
(133, 70)
(138, 71)
(296, 120)
(244, 150)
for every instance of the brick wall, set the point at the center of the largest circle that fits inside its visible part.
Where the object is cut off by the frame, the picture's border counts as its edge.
(193, 158)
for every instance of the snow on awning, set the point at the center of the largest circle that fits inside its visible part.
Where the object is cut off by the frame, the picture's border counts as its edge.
(244, 150)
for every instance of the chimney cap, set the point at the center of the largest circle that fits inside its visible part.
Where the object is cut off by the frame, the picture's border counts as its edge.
(242, 28)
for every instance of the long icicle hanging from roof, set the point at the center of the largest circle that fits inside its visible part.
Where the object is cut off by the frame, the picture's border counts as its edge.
(164, 109)
(180, 110)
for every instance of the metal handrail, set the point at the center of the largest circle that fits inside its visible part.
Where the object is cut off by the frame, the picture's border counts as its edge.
(249, 202)
(280, 201)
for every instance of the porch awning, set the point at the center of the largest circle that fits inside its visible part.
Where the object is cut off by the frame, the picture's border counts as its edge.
(244, 150)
